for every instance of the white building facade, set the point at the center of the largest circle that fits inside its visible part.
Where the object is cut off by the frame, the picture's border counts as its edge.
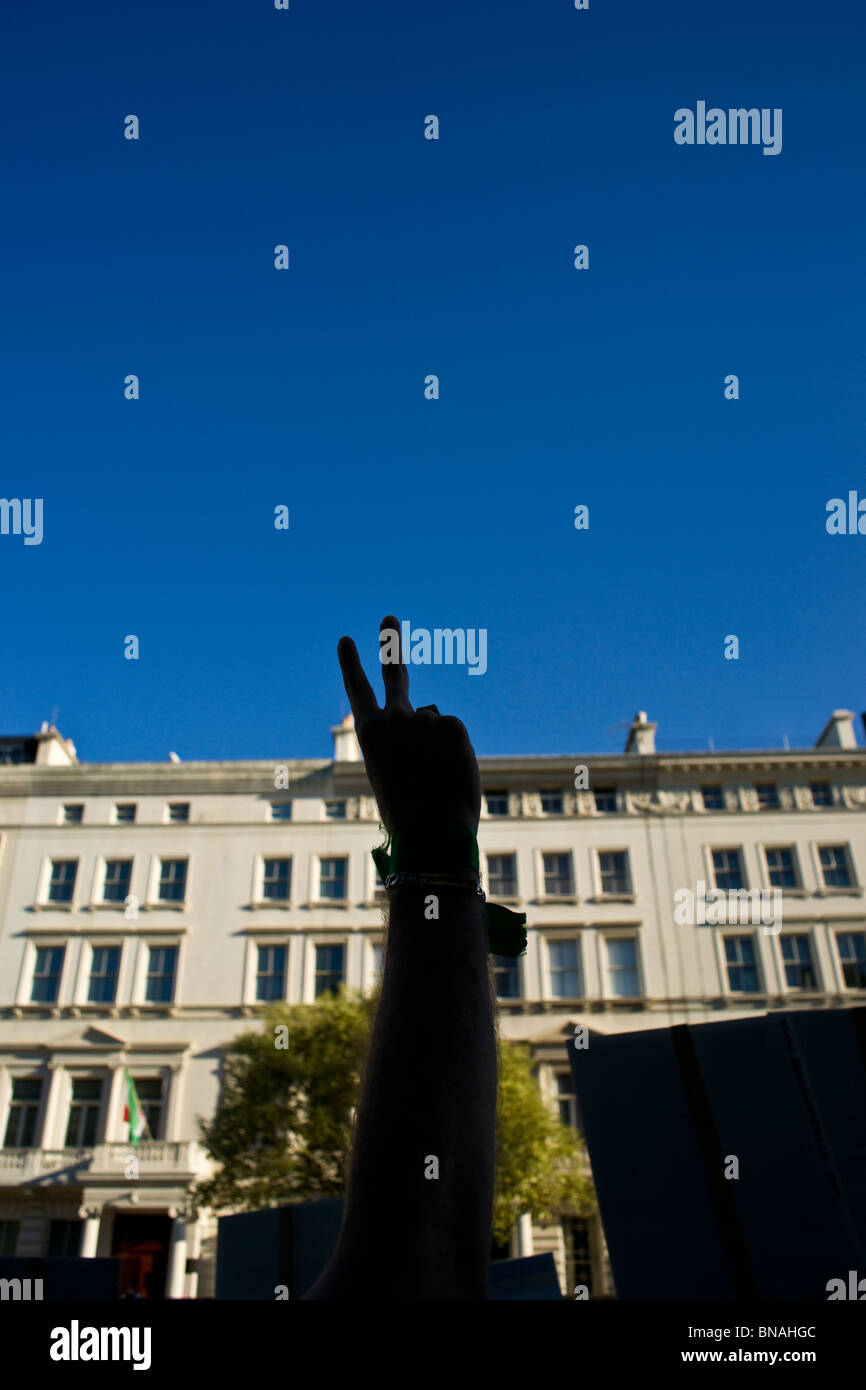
(148, 910)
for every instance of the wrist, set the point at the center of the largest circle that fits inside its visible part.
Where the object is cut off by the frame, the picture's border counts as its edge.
(446, 847)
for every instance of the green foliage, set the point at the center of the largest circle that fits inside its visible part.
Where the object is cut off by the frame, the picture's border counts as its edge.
(541, 1165)
(282, 1130)
(283, 1126)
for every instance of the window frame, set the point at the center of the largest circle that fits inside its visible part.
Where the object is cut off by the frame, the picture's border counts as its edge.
(723, 936)
(318, 942)
(712, 884)
(625, 895)
(795, 990)
(259, 877)
(154, 901)
(62, 975)
(92, 948)
(261, 945)
(317, 898)
(768, 847)
(489, 888)
(606, 937)
(853, 887)
(836, 933)
(564, 938)
(37, 1108)
(154, 943)
(542, 895)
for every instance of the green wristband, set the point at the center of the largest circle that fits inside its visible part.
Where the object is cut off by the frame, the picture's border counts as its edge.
(450, 849)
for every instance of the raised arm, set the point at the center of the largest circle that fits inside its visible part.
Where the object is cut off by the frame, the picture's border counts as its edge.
(420, 1192)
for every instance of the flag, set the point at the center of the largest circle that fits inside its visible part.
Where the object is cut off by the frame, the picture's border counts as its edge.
(133, 1115)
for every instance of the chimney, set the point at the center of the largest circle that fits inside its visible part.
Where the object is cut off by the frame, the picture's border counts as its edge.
(839, 731)
(53, 749)
(641, 735)
(346, 746)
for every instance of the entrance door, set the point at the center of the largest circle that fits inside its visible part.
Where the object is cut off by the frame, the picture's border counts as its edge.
(141, 1241)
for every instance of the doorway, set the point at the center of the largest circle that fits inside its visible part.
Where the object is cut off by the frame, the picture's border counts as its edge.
(141, 1243)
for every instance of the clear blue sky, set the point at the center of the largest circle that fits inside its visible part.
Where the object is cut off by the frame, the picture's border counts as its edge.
(410, 257)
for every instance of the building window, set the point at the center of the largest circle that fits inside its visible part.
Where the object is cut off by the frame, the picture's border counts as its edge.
(281, 810)
(332, 878)
(566, 1099)
(506, 977)
(9, 1237)
(605, 799)
(118, 876)
(768, 796)
(713, 798)
(271, 973)
(497, 803)
(104, 967)
(578, 1254)
(62, 883)
(742, 967)
(551, 803)
(379, 889)
(124, 813)
(335, 810)
(378, 950)
(822, 793)
(614, 872)
(851, 946)
(149, 1090)
(781, 868)
(178, 810)
(23, 1113)
(502, 875)
(83, 1113)
(46, 974)
(64, 1239)
(727, 870)
(172, 880)
(622, 971)
(73, 815)
(329, 969)
(161, 966)
(277, 880)
(835, 866)
(799, 967)
(558, 879)
(564, 958)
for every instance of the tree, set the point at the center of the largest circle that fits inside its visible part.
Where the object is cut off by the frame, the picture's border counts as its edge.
(541, 1165)
(283, 1126)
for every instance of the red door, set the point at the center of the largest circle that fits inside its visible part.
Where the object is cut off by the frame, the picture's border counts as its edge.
(141, 1241)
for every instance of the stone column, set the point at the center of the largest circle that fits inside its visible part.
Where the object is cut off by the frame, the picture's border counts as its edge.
(176, 1277)
(194, 1253)
(524, 1235)
(173, 1121)
(114, 1127)
(53, 1130)
(91, 1217)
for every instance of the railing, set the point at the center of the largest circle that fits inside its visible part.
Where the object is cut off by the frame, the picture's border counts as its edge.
(27, 1165)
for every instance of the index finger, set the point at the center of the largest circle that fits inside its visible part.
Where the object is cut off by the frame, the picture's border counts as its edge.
(358, 688)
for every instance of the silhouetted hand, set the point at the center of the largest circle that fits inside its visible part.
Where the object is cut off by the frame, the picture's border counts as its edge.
(420, 763)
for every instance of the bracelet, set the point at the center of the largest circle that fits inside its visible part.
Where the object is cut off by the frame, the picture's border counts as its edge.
(442, 880)
(453, 849)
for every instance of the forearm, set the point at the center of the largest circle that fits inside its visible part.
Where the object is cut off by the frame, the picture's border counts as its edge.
(429, 1093)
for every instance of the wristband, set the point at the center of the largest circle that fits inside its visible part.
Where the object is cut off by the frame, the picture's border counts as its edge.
(449, 853)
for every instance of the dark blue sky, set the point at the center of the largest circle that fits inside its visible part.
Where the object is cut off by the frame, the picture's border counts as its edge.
(409, 257)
